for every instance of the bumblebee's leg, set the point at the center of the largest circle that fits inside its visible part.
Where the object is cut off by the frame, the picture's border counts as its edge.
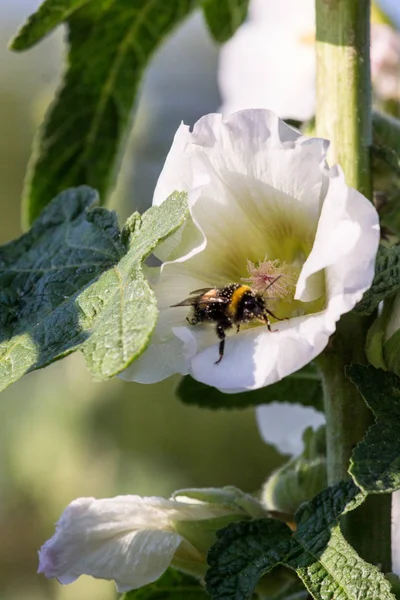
(195, 318)
(267, 321)
(268, 312)
(192, 320)
(220, 329)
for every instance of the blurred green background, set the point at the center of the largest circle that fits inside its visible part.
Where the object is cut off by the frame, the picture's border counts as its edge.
(63, 436)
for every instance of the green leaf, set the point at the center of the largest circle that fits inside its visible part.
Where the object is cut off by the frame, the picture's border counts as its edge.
(389, 157)
(391, 353)
(386, 138)
(395, 583)
(223, 17)
(71, 283)
(243, 553)
(296, 591)
(303, 387)
(386, 165)
(110, 44)
(386, 280)
(328, 566)
(375, 463)
(375, 338)
(173, 585)
(386, 168)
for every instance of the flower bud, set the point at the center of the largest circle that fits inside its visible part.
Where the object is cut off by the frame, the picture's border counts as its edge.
(300, 479)
(391, 337)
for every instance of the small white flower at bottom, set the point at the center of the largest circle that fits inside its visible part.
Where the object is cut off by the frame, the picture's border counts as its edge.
(133, 540)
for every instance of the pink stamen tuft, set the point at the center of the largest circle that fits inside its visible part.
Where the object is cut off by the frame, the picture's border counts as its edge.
(268, 272)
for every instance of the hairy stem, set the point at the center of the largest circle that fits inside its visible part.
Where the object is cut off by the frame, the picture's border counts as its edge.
(344, 86)
(344, 117)
(347, 415)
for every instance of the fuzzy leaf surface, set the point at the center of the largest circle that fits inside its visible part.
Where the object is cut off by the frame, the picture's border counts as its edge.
(110, 44)
(303, 387)
(328, 566)
(70, 282)
(386, 280)
(375, 463)
(173, 585)
(223, 17)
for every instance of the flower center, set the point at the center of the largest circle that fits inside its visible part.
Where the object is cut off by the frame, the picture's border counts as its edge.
(276, 276)
(277, 280)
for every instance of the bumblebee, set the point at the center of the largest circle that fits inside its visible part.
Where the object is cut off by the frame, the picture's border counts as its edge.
(231, 305)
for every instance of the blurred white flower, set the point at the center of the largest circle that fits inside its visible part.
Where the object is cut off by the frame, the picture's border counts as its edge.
(270, 61)
(260, 196)
(385, 62)
(282, 425)
(133, 540)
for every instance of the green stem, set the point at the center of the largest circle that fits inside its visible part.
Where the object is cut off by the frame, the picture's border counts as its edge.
(344, 117)
(344, 86)
(347, 416)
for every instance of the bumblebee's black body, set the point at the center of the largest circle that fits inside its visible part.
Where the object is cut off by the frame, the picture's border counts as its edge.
(228, 306)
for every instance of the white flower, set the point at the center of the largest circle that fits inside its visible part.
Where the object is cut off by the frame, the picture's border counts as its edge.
(133, 540)
(385, 62)
(259, 192)
(270, 61)
(282, 425)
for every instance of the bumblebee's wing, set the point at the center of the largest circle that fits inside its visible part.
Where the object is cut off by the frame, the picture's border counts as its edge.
(202, 291)
(203, 296)
(187, 302)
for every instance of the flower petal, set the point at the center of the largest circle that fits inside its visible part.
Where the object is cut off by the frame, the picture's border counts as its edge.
(231, 195)
(287, 14)
(175, 175)
(346, 243)
(226, 144)
(159, 361)
(345, 246)
(257, 357)
(127, 538)
(282, 424)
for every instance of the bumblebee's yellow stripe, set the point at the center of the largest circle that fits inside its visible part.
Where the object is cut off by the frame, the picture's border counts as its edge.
(236, 298)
